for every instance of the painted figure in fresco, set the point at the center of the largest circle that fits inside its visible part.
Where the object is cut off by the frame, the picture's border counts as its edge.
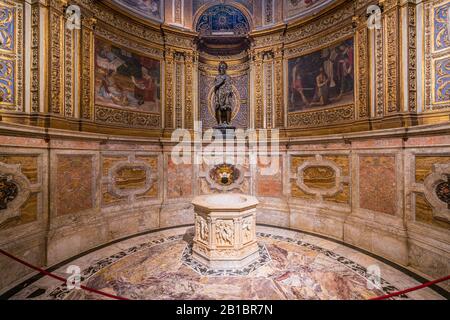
(149, 7)
(328, 66)
(344, 67)
(110, 90)
(223, 94)
(144, 90)
(322, 78)
(321, 95)
(297, 88)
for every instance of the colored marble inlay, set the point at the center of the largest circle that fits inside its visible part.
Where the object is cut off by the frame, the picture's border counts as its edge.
(109, 162)
(7, 70)
(442, 27)
(74, 183)
(319, 177)
(341, 161)
(297, 161)
(442, 80)
(28, 213)
(7, 28)
(424, 165)
(270, 185)
(180, 182)
(28, 165)
(110, 199)
(377, 184)
(129, 178)
(291, 269)
(342, 196)
(424, 213)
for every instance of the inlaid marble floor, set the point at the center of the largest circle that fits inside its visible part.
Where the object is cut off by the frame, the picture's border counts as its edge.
(298, 266)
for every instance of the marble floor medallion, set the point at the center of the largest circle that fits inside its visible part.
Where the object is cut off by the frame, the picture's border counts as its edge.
(204, 270)
(292, 265)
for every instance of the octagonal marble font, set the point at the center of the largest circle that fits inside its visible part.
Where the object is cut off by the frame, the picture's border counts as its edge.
(225, 233)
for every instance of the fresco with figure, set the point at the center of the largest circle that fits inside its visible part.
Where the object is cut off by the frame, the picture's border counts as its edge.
(126, 79)
(324, 78)
(147, 8)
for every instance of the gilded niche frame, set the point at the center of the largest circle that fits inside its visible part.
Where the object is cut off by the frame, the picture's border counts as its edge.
(125, 117)
(322, 116)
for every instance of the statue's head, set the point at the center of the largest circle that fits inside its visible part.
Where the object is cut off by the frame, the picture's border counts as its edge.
(223, 67)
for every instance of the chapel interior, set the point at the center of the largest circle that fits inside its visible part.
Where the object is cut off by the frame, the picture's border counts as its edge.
(224, 150)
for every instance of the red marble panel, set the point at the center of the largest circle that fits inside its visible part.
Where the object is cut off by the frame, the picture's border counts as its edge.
(270, 185)
(74, 179)
(378, 143)
(428, 141)
(179, 180)
(377, 183)
(74, 144)
(22, 142)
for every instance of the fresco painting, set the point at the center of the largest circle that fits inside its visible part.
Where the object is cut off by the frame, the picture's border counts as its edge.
(324, 78)
(126, 79)
(147, 8)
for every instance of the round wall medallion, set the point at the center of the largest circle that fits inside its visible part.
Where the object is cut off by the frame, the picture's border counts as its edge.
(443, 192)
(8, 191)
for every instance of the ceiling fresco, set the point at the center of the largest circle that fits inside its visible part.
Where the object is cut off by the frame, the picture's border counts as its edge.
(300, 8)
(148, 8)
(154, 9)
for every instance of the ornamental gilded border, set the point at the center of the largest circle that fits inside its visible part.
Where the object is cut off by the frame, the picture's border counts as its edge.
(11, 56)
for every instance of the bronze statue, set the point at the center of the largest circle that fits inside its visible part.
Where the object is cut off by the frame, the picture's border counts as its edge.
(223, 94)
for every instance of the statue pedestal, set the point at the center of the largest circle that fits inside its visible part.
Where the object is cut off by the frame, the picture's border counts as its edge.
(225, 231)
(227, 131)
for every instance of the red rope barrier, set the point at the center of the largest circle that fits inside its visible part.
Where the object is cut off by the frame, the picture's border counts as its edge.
(424, 285)
(45, 272)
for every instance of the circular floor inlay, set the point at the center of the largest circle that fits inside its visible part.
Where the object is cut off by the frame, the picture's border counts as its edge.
(293, 265)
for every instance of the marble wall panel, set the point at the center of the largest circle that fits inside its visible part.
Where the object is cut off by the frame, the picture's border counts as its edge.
(75, 184)
(378, 183)
(23, 224)
(323, 177)
(179, 180)
(269, 185)
(131, 177)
